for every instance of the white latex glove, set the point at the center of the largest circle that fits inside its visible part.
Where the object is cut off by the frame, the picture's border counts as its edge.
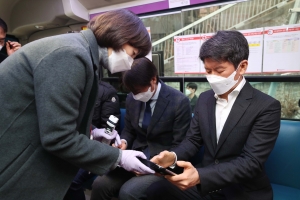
(130, 163)
(100, 135)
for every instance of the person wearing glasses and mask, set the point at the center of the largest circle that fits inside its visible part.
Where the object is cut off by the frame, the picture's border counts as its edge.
(9, 47)
(157, 118)
(237, 126)
(48, 92)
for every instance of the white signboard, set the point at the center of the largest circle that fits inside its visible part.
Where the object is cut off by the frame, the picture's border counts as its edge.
(203, 38)
(149, 55)
(281, 49)
(178, 3)
(255, 40)
(186, 54)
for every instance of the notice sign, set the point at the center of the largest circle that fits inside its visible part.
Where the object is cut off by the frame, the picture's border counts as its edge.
(281, 49)
(178, 3)
(149, 55)
(186, 54)
(255, 41)
(203, 38)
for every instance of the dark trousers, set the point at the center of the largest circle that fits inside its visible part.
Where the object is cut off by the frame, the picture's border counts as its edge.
(82, 180)
(164, 190)
(108, 185)
(122, 184)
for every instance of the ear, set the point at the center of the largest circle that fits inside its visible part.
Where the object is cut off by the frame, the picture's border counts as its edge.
(243, 67)
(154, 80)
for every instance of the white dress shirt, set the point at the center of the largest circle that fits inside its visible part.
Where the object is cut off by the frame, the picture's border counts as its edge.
(223, 107)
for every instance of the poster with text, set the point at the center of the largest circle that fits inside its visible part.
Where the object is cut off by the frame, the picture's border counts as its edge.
(281, 49)
(203, 38)
(255, 40)
(186, 54)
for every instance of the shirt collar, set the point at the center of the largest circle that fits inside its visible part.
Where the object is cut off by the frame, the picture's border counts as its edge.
(236, 90)
(155, 96)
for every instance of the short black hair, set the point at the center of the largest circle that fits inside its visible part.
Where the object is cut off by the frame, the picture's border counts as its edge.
(192, 85)
(140, 75)
(3, 25)
(229, 46)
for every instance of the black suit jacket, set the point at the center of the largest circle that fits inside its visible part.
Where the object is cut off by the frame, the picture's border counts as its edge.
(107, 104)
(169, 122)
(236, 164)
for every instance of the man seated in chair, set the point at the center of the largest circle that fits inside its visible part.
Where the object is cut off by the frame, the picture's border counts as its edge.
(157, 118)
(237, 126)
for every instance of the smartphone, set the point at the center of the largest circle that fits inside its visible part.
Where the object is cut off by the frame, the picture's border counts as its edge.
(157, 168)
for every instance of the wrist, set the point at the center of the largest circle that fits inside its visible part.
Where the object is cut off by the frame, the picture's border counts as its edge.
(175, 160)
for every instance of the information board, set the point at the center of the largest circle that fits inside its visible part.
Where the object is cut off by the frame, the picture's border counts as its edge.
(255, 40)
(186, 54)
(281, 49)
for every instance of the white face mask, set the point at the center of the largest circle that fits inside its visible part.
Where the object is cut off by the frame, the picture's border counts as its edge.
(221, 85)
(144, 96)
(187, 91)
(119, 61)
(1, 47)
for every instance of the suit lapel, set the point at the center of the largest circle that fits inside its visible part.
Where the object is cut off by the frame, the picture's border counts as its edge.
(238, 109)
(161, 104)
(137, 106)
(211, 104)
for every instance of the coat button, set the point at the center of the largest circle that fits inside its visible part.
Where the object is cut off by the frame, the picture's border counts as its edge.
(216, 161)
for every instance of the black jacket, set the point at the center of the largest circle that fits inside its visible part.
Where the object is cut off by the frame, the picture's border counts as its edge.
(107, 104)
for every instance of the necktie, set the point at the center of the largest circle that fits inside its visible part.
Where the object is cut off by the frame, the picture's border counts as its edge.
(147, 116)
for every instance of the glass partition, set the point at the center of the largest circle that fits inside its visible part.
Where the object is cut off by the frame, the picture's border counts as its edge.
(251, 14)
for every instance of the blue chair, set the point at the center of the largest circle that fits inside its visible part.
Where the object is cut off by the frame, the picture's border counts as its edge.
(283, 164)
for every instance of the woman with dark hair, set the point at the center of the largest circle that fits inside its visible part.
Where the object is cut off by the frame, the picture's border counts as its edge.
(157, 118)
(45, 127)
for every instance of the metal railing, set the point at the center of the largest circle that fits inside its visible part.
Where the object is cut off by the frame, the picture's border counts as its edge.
(231, 16)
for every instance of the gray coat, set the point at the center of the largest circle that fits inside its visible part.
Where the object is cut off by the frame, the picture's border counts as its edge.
(48, 91)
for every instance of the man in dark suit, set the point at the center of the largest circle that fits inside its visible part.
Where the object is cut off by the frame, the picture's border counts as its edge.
(237, 126)
(171, 115)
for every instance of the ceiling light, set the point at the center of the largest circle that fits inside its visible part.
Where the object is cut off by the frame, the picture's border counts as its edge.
(39, 27)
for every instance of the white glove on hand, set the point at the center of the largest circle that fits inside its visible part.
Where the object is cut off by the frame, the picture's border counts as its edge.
(100, 135)
(130, 163)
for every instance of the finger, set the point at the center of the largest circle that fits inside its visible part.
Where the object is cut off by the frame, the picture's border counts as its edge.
(183, 164)
(7, 46)
(143, 169)
(118, 142)
(155, 159)
(140, 154)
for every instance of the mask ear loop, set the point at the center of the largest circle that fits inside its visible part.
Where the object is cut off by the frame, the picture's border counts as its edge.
(237, 69)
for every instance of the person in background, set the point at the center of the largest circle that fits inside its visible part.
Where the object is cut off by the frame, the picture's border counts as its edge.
(237, 126)
(9, 47)
(190, 91)
(107, 104)
(157, 118)
(48, 92)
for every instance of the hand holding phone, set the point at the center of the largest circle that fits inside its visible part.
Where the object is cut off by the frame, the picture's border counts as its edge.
(157, 168)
